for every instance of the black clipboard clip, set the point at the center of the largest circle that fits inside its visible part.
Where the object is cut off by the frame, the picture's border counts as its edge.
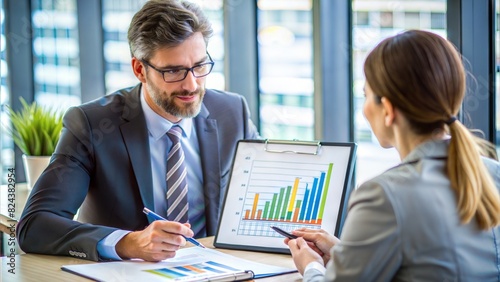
(293, 142)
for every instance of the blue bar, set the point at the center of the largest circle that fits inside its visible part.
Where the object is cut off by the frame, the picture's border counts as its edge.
(318, 196)
(211, 269)
(304, 204)
(204, 266)
(221, 265)
(167, 272)
(310, 205)
(182, 268)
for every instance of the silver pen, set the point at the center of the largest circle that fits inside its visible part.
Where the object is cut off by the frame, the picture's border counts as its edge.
(156, 216)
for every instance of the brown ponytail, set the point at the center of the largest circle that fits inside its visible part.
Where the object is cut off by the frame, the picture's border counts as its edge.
(477, 195)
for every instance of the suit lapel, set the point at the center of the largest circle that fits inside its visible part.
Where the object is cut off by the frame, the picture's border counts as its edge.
(206, 130)
(135, 136)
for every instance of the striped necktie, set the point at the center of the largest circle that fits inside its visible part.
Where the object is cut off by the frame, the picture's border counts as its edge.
(177, 187)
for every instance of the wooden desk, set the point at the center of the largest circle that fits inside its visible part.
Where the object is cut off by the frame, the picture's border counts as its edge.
(30, 267)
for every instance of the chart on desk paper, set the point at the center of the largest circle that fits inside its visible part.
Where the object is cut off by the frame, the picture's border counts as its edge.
(286, 190)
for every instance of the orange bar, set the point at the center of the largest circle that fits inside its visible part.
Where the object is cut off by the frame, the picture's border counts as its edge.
(295, 215)
(259, 214)
(319, 221)
(192, 268)
(254, 207)
(247, 213)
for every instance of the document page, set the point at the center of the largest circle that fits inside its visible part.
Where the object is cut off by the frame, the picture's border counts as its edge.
(190, 264)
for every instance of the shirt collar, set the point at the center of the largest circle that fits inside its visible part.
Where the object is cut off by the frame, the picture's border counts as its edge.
(158, 125)
(429, 149)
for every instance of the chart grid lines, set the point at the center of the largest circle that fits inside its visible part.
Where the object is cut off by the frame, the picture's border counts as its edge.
(285, 193)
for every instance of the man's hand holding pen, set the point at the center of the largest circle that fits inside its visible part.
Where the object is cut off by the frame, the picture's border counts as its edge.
(159, 241)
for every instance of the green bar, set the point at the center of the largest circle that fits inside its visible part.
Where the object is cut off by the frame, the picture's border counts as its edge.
(285, 202)
(289, 215)
(299, 202)
(277, 215)
(266, 207)
(273, 205)
(325, 191)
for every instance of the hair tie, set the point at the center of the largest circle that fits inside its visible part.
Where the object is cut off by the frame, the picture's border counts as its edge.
(451, 120)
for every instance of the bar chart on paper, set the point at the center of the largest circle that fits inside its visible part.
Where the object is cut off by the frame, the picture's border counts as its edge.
(289, 195)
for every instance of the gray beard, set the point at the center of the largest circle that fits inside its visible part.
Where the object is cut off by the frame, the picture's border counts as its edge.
(167, 104)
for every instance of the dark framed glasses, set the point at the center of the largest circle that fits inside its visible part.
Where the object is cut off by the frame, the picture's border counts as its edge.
(179, 74)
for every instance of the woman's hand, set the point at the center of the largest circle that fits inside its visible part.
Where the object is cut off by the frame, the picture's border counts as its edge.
(318, 240)
(302, 253)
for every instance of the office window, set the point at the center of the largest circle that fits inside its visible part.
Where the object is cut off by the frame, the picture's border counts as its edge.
(438, 20)
(56, 53)
(117, 15)
(285, 69)
(6, 143)
(361, 18)
(373, 159)
(215, 13)
(497, 90)
(412, 20)
(386, 19)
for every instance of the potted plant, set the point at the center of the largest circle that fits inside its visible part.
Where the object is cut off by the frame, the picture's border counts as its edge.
(35, 130)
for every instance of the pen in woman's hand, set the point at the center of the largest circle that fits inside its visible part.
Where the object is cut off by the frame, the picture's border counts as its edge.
(155, 216)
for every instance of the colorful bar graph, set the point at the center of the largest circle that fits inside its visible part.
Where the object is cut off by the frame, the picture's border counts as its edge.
(296, 203)
(189, 272)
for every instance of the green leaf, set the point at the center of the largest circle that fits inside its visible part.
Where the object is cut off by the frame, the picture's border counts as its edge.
(34, 129)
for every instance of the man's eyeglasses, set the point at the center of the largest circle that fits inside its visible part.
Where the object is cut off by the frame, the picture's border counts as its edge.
(179, 74)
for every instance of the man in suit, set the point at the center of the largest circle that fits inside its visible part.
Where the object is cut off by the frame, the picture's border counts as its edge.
(111, 160)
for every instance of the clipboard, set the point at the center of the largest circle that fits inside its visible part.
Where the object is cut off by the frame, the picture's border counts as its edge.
(288, 184)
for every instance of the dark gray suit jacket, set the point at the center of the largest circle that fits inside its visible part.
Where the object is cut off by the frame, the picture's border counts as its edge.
(102, 166)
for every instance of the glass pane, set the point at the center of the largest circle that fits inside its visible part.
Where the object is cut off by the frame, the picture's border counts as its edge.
(6, 143)
(117, 15)
(215, 13)
(497, 52)
(56, 53)
(378, 20)
(285, 69)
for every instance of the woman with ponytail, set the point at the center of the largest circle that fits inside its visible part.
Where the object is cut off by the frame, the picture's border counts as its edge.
(435, 216)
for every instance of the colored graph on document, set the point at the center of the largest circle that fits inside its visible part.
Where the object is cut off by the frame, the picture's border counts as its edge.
(285, 194)
(199, 270)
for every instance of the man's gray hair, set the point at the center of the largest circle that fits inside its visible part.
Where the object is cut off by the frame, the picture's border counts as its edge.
(165, 24)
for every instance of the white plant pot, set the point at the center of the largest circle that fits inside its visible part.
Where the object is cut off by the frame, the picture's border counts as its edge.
(33, 168)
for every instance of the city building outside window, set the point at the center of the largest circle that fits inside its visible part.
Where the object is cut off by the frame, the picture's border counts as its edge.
(372, 22)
